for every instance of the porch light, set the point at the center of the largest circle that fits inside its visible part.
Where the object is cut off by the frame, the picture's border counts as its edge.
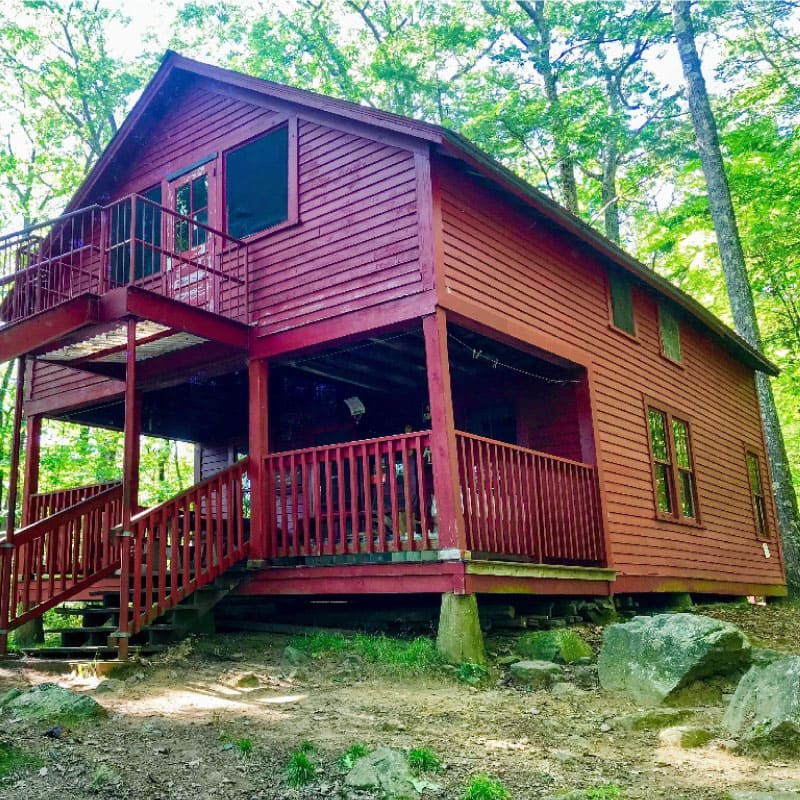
(355, 407)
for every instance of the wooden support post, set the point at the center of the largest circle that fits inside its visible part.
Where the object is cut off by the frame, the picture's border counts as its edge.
(30, 483)
(260, 547)
(446, 485)
(130, 485)
(7, 547)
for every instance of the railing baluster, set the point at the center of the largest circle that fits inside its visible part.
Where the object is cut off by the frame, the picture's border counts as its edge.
(363, 457)
(379, 496)
(422, 495)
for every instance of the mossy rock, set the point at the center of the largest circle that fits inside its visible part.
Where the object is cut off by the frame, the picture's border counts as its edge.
(51, 704)
(566, 646)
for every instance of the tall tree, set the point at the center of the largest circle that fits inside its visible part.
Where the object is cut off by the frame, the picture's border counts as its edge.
(736, 278)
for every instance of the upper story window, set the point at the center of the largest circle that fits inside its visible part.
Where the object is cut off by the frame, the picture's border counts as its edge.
(257, 184)
(670, 333)
(757, 493)
(673, 466)
(621, 297)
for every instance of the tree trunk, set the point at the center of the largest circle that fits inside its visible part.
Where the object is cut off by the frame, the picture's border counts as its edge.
(737, 282)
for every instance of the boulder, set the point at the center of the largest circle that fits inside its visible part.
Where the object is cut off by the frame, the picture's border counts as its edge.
(387, 771)
(50, 703)
(535, 674)
(764, 712)
(565, 645)
(653, 658)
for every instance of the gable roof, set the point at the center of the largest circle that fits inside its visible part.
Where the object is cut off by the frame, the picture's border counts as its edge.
(447, 142)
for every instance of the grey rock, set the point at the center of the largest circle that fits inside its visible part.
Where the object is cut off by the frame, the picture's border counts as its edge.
(566, 646)
(535, 674)
(653, 658)
(585, 677)
(10, 695)
(740, 794)
(50, 703)
(109, 685)
(293, 657)
(386, 770)
(764, 713)
(565, 690)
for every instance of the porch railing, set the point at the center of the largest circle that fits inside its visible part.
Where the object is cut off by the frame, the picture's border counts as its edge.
(522, 502)
(133, 241)
(55, 558)
(368, 496)
(183, 544)
(44, 504)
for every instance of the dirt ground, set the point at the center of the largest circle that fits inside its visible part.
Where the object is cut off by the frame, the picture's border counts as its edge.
(173, 728)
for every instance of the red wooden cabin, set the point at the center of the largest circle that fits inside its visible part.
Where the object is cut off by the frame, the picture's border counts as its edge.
(405, 371)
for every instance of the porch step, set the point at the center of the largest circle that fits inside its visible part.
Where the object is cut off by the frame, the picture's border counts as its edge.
(87, 653)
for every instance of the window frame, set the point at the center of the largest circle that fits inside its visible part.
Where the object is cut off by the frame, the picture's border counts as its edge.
(290, 122)
(670, 414)
(663, 311)
(757, 453)
(612, 322)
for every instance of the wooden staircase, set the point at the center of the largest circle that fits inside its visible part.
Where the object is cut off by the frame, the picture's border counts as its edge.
(146, 587)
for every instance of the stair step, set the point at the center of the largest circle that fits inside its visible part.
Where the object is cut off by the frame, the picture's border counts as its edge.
(83, 629)
(88, 651)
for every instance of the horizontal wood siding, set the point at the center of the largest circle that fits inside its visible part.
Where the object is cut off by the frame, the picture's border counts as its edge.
(508, 262)
(51, 380)
(357, 242)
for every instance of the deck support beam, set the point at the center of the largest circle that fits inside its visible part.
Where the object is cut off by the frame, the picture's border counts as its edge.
(258, 436)
(30, 483)
(130, 483)
(446, 488)
(7, 555)
(459, 638)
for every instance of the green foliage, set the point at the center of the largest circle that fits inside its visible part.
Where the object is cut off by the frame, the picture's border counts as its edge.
(347, 759)
(471, 673)
(245, 747)
(102, 775)
(482, 787)
(423, 759)
(415, 655)
(300, 770)
(610, 792)
(13, 759)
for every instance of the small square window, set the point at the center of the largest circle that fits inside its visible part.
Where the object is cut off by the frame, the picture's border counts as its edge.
(670, 334)
(621, 303)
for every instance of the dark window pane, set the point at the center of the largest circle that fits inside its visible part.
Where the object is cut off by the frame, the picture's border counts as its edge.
(754, 473)
(663, 493)
(681, 433)
(670, 334)
(761, 516)
(686, 490)
(621, 303)
(658, 435)
(181, 235)
(199, 234)
(200, 193)
(257, 184)
(183, 200)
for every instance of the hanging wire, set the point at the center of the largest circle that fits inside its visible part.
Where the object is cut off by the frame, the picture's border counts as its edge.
(496, 362)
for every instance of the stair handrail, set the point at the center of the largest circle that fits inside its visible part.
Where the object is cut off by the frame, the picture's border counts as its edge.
(170, 537)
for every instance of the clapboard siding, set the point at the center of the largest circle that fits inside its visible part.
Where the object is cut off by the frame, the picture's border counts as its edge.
(51, 380)
(509, 262)
(357, 242)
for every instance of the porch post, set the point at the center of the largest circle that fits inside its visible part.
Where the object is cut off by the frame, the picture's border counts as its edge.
(446, 485)
(130, 485)
(30, 484)
(258, 370)
(7, 547)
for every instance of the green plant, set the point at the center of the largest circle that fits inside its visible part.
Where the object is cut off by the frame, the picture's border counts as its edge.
(610, 792)
(423, 759)
(12, 759)
(482, 787)
(321, 643)
(471, 673)
(245, 746)
(351, 755)
(300, 770)
(102, 776)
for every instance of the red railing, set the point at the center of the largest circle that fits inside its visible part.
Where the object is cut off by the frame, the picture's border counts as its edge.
(368, 496)
(183, 544)
(133, 241)
(58, 556)
(522, 502)
(44, 504)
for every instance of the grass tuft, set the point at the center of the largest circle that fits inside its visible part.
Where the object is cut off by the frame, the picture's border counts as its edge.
(423, 759)
(347, 759)
(482, 787)
(471, 673)
(300, 770)
(245, 746)
(13, 759)
(610, 792)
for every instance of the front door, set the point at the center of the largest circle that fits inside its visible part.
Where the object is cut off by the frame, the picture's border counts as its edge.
(193, 244)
